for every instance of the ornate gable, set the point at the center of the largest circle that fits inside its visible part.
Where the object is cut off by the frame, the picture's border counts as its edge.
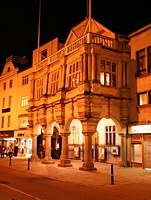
(88, 25)
(8, 67)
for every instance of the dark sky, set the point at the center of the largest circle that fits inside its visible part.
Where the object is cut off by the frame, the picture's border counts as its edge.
(19, 21)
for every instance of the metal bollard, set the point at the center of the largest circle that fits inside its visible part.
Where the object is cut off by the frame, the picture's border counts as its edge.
(112, 174)
(28, 164)
(10, 160)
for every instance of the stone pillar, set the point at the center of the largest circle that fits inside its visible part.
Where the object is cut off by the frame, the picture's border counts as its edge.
(88, 164)
(64, 160)
(48, 159)
(34, 156)
(85, 67)
(123, 162)
(93, 67)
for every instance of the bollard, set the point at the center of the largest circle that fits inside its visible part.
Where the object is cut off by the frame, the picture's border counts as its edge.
(28, 163)
(112, 174)
(10, 160)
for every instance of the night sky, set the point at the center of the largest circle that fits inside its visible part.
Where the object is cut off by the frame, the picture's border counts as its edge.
(19, 21)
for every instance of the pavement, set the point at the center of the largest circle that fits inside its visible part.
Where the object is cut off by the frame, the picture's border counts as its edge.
(130, 181)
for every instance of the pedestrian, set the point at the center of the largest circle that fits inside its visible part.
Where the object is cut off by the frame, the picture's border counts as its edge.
(10, 151)
(41, 151)
(3, 151)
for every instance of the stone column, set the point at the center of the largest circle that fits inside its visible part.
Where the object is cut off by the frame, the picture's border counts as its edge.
(48, 159)
(34, 156)
(88, 164)
(123, 161)
(93, 67)
(64, 160)
(85, 63)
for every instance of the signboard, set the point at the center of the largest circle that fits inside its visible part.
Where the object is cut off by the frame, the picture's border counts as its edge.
(101, 154)
(6, 134)
(115, 150)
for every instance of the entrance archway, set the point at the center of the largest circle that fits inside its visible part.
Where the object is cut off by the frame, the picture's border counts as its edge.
(56, 144)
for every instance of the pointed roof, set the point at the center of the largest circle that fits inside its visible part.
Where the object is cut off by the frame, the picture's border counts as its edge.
(88, 25)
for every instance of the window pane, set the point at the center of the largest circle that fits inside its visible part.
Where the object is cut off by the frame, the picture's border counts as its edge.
(142, 99)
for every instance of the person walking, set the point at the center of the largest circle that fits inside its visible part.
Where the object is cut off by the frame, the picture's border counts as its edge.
(10, 151)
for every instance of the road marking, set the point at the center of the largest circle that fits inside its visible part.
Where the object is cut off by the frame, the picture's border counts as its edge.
(20, 191)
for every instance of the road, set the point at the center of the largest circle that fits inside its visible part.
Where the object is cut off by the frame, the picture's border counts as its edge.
(49, 182)
(19, 185)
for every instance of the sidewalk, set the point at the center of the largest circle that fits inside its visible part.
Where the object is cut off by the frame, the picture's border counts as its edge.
(99, 177)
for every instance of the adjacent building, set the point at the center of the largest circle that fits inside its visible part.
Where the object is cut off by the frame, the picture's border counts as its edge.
(140, 130)
(14, 96)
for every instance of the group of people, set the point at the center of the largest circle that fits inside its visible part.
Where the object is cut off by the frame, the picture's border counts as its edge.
(6, 151)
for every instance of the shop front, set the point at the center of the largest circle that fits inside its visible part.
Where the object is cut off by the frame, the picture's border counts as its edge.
(23, 143)
(7, 138)
(140, 146)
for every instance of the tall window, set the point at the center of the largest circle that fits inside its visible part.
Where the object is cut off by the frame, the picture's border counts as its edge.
(149, 59)
(108, 73)
(10, 101)
(39, 88)
(2, 122)
(44, 54)
(110, 135)
(54, 81)
(149, 97)
(10, 83)
(25, 80)
(142, 99)
(24, 101)
(74, 75)
(8, 121)
(141, 67)
(3, 103)
(23, 121)
(4, 86)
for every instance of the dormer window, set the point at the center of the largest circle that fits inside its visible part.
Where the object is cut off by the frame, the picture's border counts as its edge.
(44, 54)
(8, 69)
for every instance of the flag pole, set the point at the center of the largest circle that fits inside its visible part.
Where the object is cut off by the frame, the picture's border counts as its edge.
(39, 24)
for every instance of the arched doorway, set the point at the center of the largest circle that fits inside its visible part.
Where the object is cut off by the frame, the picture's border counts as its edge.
(40, 144)
(56, 144)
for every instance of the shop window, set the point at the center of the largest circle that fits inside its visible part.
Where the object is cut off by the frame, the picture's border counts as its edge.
(137, 153)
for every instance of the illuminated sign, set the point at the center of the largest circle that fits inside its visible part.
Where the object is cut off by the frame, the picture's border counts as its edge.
(6, 134)
(140, 129)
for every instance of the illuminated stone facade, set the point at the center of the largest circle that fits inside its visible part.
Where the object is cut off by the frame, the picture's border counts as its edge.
(14, 94)
(86, 79)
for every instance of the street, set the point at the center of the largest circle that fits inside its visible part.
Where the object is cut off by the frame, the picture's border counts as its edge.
(46, 182)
